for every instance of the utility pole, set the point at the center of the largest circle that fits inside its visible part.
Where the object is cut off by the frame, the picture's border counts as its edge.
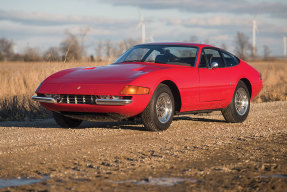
(284, 43)
(254, 38)
(143, 31)
(142, 25)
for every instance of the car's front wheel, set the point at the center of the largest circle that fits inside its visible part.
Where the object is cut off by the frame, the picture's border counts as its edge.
(158, 115)
(66, 122)
(237, 111)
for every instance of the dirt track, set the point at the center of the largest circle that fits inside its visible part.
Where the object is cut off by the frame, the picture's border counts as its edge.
(208, 153)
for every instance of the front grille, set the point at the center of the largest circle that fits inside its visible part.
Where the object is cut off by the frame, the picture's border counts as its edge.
(84, 99)
(77, 99)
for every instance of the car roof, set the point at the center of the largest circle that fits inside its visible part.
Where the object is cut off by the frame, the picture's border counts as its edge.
(179, 43)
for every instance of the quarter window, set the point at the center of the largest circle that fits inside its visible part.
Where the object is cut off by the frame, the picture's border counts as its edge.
(230, 60)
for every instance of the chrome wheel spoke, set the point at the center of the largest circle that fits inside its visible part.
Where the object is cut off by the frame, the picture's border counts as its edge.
(164, 108)
(241, 101)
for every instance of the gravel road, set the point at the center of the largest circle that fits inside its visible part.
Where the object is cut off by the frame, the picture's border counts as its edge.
(198, 152)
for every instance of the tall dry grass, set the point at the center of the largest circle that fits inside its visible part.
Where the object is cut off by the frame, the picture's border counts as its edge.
(274, 75)
(18, 81)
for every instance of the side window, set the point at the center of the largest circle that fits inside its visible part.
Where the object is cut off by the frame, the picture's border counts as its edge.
(213, 55)
(230, 60)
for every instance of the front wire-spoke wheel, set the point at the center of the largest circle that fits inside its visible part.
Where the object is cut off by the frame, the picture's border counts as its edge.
(164, 108)
(158, 115)
(237, 111)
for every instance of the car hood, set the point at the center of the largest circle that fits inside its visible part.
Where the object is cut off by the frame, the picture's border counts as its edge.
(119, 73)
(96, 80)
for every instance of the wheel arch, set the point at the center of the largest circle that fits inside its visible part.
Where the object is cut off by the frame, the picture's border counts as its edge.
(248, 85)
(176, 94)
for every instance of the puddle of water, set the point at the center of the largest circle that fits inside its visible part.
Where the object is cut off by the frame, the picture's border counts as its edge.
(273, 176)
(22, 181)
(162, 181)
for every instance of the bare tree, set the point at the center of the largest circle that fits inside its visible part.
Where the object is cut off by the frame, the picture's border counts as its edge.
(125, 45)
(129, 43)
(92, 58)
(52, 54)
(31, 54)
(6, 49)
(17, 57)
(83, 33)
(242, 45)
(71, 48)
(266, 52)
(99, 51)
(108, 49)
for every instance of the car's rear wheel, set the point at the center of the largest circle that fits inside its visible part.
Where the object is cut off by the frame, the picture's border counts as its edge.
(66, 122)
(158, 115)
(237, 111)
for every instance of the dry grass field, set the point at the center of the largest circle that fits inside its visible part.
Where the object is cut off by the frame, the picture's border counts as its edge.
(19, 80)
(18, 83)
(274, 74)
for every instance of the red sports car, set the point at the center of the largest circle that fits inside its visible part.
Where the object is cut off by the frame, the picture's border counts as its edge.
(154, 82)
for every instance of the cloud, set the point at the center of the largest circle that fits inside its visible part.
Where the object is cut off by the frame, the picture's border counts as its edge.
(45, 36)
(45, 19)
(219, 26)
(209, 22)
(273, 9)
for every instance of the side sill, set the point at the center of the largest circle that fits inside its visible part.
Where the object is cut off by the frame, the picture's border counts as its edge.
(197, 112)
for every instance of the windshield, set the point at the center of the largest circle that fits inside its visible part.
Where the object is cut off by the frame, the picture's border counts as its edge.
(164, 54)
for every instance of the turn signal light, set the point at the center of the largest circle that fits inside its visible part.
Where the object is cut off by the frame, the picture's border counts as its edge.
(134, 90)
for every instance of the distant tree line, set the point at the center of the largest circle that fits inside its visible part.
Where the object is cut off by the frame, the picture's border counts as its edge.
(72, 48)
(243, 48)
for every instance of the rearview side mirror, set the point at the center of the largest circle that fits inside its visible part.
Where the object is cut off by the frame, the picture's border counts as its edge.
(214, 65)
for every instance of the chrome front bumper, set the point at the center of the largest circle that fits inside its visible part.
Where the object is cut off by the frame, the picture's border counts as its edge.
(97, 101)
(44, 99)
(113, 101)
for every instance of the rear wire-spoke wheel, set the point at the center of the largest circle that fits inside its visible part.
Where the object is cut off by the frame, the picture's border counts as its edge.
(66, 122)
(238, 109)
(241, 101)
(158, 115)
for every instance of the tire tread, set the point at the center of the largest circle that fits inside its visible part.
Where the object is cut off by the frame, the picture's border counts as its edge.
(148, 115)
(229, 113)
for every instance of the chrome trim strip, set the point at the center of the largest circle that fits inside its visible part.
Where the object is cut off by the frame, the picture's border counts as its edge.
(113, 101)
(44, 99)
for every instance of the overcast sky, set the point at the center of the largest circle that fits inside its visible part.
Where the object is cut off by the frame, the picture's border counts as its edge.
(42, 23)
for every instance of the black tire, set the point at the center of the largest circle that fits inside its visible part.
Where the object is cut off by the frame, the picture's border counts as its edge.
(66, 122)
(237, 111)
(162, 96)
